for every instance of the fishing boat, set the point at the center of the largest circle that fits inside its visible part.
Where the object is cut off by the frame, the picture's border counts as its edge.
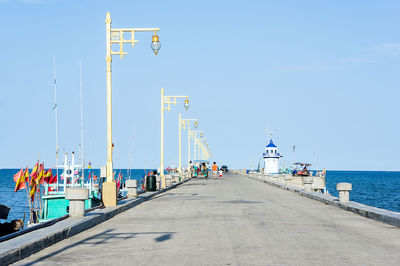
(54, 203)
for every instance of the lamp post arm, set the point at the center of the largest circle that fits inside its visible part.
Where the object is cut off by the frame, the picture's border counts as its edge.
(136, 29)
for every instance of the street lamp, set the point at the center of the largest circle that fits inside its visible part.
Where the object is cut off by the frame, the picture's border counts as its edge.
(190, 136)
(155, 44)
(203, 149)
(166, 102)
(197, 146)
(194, 136)
(116, 36)
(182, 125)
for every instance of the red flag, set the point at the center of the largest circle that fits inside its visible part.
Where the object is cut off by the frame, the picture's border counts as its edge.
(17, 175)
(19, 179)
(40, 175)
(34, 173)
(53, 179)
(26, 174)
(48, 176)
(32, 192)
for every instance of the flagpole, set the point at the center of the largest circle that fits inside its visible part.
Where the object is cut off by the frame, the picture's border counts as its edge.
(26, 188)
(56, 109)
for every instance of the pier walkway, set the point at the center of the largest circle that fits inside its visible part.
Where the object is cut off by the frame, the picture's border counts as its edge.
(234, 221)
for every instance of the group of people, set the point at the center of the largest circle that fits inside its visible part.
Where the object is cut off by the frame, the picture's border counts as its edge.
(215, 169)
(202, 169)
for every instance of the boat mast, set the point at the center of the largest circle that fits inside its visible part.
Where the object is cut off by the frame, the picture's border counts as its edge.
(129, 156)
(80, 85)
(56, 113)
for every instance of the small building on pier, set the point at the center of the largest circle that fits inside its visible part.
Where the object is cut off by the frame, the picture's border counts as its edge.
(271, 159)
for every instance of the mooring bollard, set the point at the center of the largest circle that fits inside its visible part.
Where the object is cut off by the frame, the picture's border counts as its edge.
(307, 181)
(168, 180)
(344, 191)
(131, 185)
(77, 197)
(158, 182)
(288, 179)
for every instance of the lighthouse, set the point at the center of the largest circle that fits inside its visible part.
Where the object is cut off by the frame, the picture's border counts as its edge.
(271, 159)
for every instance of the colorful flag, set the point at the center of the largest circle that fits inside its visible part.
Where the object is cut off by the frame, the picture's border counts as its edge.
(32, 191)
(90, 165)
(48, 176)
(119, 179)
(26, 174)
(34, 173)
(40, 175)
(19, 179)
(54, 179)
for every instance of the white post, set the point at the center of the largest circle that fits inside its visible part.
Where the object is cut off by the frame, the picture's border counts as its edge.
(180, 145)
(65, 170)
(162, 176)
(109, 101)
(194, 145)
(72, 168)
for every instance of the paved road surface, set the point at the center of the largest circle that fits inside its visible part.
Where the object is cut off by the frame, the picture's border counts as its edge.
(235, 221)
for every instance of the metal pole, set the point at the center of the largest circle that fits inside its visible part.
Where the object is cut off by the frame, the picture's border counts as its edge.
(109, 102)
(189, 147)
(194, 145)
(198, 149)
(180, 145)
(55, 108)
(162, 177)
(82, 158)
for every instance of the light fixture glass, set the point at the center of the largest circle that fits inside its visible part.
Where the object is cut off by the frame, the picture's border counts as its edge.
(155, 44)
(186, 103)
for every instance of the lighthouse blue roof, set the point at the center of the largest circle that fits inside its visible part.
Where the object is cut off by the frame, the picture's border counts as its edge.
(271, 144)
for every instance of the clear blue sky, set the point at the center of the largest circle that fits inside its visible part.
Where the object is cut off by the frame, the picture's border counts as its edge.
(324, 74)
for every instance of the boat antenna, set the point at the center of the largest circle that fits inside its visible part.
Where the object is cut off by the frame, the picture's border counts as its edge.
(56, 112)
(80, 86)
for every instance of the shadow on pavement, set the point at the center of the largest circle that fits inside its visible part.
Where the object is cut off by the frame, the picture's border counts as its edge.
(102, 238)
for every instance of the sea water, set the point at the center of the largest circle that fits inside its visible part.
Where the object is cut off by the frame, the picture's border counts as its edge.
(18, 201)
(375, 188)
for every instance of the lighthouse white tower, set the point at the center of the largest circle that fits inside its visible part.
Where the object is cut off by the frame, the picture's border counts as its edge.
(271, 159)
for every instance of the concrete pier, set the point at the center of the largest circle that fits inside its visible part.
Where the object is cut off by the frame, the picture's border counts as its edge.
(234, 221)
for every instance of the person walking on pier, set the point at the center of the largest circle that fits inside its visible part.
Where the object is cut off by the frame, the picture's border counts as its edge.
(214, 169)
(191, 169)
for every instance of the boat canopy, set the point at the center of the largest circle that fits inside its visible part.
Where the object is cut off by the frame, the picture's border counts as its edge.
(303, 164)
(201, 161)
